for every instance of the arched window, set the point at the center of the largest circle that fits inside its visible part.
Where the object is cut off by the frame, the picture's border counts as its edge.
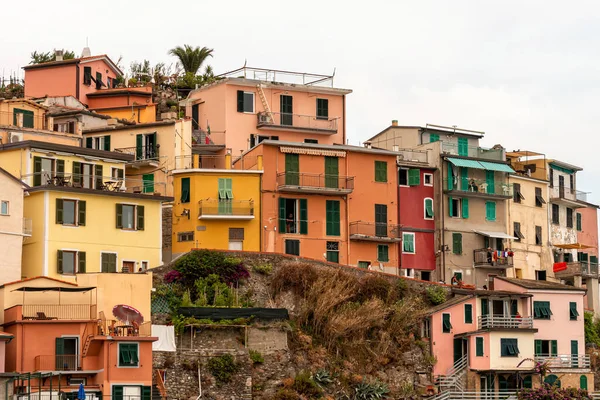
(583, 382)
(552, 380)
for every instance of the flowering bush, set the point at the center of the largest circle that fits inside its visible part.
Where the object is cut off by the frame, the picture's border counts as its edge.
(549, 392)
(172, 276)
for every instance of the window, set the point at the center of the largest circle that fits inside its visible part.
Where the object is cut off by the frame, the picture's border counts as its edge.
(569, 217)
(44, 169)
(539, 200)
(78, 381)
(3, 207)
(458, 276)
(479, 346)
(70, 212)
(583, 382)
(579, 222)
(333, 252)
(428, 208)
(463, 147)
(314, 141)
(130, 217)
(117, 173)
(517, 195)
(540, 275)
(468, 313)
(108, 262)
(426, 328)
(490, 210)
(517, 231)
(70, 261)
(446, 325)
(434, 137)
(332, 216)
(364, 264)
(129, 355)
(245, 101)
(185, 190)
(403, 177)
(457, 243)
(65, 127)
(552, 380)
(382, 253)
(573, 313)
(541, 310)
(292, 169)
(408, 243)
(98, 142)
(292, 247)
(380, 171)
(293, 216)
(381, 228)
(236, 233)
(454, 207)
(331, 172)
(99, 82)
(414, 177)
(555, 214)
(425, 276)
(538, 235)
(509, 348)
(131, 392)
(87, 75)
(428, 179)
(185, 236)
(144, 265)
(225, 189)
(322, 109)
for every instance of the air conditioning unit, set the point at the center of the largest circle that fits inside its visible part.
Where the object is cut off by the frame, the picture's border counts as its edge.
(264, 118)
(15, 137)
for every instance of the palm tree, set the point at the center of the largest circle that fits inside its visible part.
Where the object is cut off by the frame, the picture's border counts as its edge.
(191, 58)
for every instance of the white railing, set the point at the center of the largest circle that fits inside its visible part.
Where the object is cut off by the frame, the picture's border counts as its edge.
(475, 396)
(27, 226)
(495, 321)
(452, 381)
(565, 360)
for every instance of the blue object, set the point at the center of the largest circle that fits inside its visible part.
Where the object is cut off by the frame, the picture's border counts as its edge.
(81, 392)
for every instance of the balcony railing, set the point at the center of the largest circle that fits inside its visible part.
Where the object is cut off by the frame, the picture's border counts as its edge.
(50, 312)
(579, 268)
(141, 153)
(491, 258)
(564, 360)
(58, 362)
(500, 321)
(109, 327)
(415, 156)
(473, 152)
(296, 121)
(226, 209)
(21, 120)
(561, 192)
(27, 227)
(303, 182)
(378, 232)
(476, 187)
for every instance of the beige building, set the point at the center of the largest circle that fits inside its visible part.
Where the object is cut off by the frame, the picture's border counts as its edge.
(13, 227)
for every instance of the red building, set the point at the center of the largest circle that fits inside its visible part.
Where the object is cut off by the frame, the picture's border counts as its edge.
(416, 215)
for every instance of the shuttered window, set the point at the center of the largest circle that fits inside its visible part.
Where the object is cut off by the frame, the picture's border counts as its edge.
(569, 217)
(490, 211)
(479, 347)
(381, 171)
(457, 243)
(225, 189)
(414, 177)
(245, 101)
(509, 348)
(517, 231)
(463, 147)
(70, 262)
(538, 235)
(468, 313)
(129, 355)
(322, 108)
(292, 247)
(185, 190)
(517, 195)
(130, 217)
(573, 313)
(446, 324)
(108, 262)
(408, 243)
(579, 222)
(382, 253)
(541, 310)
(539, 199)
(70, 212)
(433, 137)
(332, 217)
(428, 208)
(555, 214)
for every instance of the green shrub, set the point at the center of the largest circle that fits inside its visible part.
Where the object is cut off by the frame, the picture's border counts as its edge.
(305, 385)
(256, 357)
(592, 329)
(263, 269)
(202, 263)
(370, 391)
(223, 368)
(436, 295)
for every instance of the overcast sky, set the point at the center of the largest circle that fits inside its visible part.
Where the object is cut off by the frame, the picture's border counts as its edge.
(526, 73)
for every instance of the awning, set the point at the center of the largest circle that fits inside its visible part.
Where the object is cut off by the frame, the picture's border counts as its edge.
(461, 162)
(573, 246)
(313, 152)
(53, 289)
(498, 235)
(490, 166)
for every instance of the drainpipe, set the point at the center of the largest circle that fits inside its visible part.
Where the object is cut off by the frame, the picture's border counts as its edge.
(442, 228)
(347, 210)
(399, 246)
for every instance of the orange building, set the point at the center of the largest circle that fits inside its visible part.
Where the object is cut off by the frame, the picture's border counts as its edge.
(60, 342)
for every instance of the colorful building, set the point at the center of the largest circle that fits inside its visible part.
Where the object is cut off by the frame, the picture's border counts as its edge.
(217, 208)
(132, 104)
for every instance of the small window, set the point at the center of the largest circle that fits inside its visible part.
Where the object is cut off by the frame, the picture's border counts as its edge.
(539, 199)
(446, 324)
(380, 171)
(130, 217)
(428, 209)
(517, 231)
(185, 236)
(538, 235)
(509, 348)
(333, 252)
(3, 207)
(479, 347)
(555, 214)
(454, 205)
(322, 108)
(490, 211)
(569, 217)
(541, 310)
(292, 247)
(87, 75)
(117, 173)
(129, 355)
(573, 313)
(403, 177)
(426, 328)
(70, 212)
(428, 179)
(540, 275)
(144, 265)
(579, 222)
(364, 264)
(517, 195)
(245, 101)
(78, 381)
(108, 262)
(236, 233)
(408, 243)
(468, 313)
(313, 141)
(185, 190)
(382, 253)
(70, 262)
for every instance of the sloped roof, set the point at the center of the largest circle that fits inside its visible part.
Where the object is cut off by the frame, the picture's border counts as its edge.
(539, 285)
(14, 178)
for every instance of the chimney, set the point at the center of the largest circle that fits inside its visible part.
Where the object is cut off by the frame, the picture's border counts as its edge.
(58, 54)
(394, 122)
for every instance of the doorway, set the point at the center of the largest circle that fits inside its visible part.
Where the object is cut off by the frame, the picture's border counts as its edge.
(67, 354)
(128, 266)
(460, 349)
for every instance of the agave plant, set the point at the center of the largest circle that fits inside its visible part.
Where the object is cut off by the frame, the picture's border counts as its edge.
(371, 391)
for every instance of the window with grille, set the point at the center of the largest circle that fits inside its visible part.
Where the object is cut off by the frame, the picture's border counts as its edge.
(185, 236)
(333, 252)
(236, 233)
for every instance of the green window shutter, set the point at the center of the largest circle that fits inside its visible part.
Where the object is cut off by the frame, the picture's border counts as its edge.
(479, 346)
(429, 208)
(408, 243)
(59, 346)
(59, 211)
(513, 307)
(148, 183)
(133, 353)
(538, 347)
(457, 243)
(433, 137)
(89, 142)
(119, 216)
(446, 325)
(140, 218)
(490, 211)
(229, 188)
(81, 209)
(450, 178)
(60, 167)
(465, 208)
(81, 259)
(485, 307)
(117, 393)
(579, 222)
(331, 172)
(146, 392)
(124, 354)
(414, 177)
(185, 190)
(107, 142)
(222, 194)
(382, 253)
(98, 175)
(464, 179)
(37, 171)
(381, 171)
(583, 382)
(282, 215)
(332, 217)
(489, 180)
(77, 178)
(463, 147)
(450, 207)
(468, 313)
(59, 261)
(303, 217)
(240, 101)
(139, 147)
(573, 313)
(553, 347)
(292, 169)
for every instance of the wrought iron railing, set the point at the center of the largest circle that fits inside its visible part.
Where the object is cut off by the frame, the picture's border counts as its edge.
(285, 120)
(58, 362)
(486, 257)
(501, 321)
(96, 182)
(224, 208)
(316, 181)
(365, 229)
(472, 151)
(561, 192)
(141, 153)
(478, 186)
(564, 360)
(49, 312)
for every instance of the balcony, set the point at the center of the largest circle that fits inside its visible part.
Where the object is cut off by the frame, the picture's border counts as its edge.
(502, 322)
(567, 196)
(20, 120)
(484, 258)
(226, 209)
(481, 188)
(407, 156)
(565, 361)
(144, 155)
(205, 142)
(55, 312)
(110, 327)
(299, 182)
(375, 232)
(585, 269)
(450, 148)
(58, 362)
(27, 227)
(296, 122)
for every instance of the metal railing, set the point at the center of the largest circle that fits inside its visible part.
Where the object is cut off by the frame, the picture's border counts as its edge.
(203, 138)
(50, 312)
(246, 162)
(58, 362)
(564, 360)
(316, 181)
(141, 153)
(472, 151)
(485, 257)
(407, 155)
(478, 186)
(275, 75)
(561, 192)
(363, 229)
(455, 395)
(500, 321)
(285, 120)
(110, 327)
(583, 268)
(224, 208)
(27, 226)
(21, 120)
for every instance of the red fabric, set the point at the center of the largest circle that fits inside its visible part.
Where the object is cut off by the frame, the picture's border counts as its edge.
(561, 266)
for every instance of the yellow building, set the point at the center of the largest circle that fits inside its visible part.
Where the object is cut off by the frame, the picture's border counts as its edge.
(86, 217)
(217, 208)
